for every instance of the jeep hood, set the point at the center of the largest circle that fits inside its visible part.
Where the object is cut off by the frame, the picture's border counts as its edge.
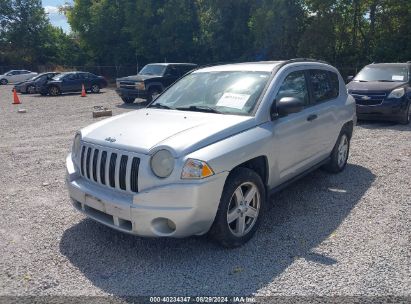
(182, 132)
(374, 86)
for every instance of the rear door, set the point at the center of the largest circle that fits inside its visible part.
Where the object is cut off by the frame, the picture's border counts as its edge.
(324, 86)
(71, 83)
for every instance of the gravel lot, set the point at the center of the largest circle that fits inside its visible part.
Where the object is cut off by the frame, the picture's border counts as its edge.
(346, 234)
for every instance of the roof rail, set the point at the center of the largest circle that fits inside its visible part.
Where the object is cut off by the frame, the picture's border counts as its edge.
(305, 60)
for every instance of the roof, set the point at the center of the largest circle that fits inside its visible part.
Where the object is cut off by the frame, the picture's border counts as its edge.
(261, 66)
(390, 64)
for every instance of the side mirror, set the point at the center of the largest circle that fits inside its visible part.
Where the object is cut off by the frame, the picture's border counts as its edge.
(288, 105)
(349, 78)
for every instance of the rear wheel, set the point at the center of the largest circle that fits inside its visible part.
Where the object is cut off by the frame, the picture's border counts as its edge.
(95, 88)
(4, 81)
(152, 94)
(128, 100)
(54, 91)
(407, 115)
(339, 154)
(31, 89)
(241, 207)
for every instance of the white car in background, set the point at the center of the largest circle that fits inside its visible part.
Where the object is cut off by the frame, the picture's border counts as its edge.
(16, 76)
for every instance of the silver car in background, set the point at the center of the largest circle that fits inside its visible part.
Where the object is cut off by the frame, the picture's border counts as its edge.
(205, 155)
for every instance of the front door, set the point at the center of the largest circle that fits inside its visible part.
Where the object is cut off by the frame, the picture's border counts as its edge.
(292, 133)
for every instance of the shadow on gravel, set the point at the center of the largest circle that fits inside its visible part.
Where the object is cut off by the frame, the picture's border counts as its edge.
(302, 216)
(376, 124)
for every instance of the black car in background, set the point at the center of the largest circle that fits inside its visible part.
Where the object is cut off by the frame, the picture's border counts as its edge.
(72, 82)
(151, 80)
(29, 86)
(382, 91)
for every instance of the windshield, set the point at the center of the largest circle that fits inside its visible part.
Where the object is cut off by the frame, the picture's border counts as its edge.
(233, 92)
(379, 73)
(153, 69)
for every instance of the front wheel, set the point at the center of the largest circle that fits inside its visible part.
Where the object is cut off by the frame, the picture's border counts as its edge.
(407, 115)
(241, 207)
(4, 81)
(339, 154)
(31, 89)
(54, 91)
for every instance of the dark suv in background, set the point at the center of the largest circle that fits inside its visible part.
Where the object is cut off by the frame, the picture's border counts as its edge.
(382, 91)
(151, 80)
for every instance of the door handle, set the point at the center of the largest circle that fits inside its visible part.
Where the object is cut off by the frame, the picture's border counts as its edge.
(312, 117)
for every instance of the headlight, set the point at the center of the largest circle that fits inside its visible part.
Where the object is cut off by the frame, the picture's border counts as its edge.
(118, 84)
(397, 93)
(139, 85)
(75, 151)
(162, 163)
(196, 169)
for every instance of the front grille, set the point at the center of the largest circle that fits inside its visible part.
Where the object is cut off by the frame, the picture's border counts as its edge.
(127, 84)
(368, 98)
(110, 168)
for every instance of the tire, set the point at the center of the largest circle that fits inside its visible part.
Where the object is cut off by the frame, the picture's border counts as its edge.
(407, 115)
(31, 89)
(95, 88)
(152, 94)
(339, 154)
(4, 81)
(128, 100)
(54, 91)
(234, 228)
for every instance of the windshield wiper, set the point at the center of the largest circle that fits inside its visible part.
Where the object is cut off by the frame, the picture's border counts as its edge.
(383, 80)
(160, 106)
(206, 109)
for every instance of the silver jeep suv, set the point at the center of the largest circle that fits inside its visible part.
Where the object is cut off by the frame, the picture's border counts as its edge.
(205, 155)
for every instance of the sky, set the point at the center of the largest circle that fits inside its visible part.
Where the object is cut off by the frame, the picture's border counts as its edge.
(51, 7)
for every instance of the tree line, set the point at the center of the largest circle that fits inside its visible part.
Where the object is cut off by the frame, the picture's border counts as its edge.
(346, 33)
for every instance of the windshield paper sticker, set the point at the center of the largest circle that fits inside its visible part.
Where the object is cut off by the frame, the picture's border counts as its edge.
(397, 77)
(233, 100)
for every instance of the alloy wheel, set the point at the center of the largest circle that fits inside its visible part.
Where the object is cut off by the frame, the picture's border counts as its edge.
(243, 209)
(342, 151)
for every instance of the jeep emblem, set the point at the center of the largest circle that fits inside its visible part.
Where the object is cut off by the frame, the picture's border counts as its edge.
(110, 139)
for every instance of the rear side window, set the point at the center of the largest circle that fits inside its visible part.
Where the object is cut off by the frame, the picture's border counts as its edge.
(324, 85)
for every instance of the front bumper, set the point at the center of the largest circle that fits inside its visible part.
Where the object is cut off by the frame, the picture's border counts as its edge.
(174, 210)
(389, 109)
(131, 93)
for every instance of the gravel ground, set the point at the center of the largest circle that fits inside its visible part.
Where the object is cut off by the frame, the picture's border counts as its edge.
(345, 234)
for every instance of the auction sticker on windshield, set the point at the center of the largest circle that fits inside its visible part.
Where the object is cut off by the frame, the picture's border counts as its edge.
(397, 77)
(233, 100)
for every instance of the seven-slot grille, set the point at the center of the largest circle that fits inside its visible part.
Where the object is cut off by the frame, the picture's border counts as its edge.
(368, 98)
(110, 168)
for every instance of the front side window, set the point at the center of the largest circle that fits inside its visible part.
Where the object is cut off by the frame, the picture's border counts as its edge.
(294, 85)
(228, 92)
(321, 86)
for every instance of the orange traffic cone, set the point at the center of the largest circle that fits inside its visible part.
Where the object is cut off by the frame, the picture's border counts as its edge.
(83, 91)
(16, 99)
